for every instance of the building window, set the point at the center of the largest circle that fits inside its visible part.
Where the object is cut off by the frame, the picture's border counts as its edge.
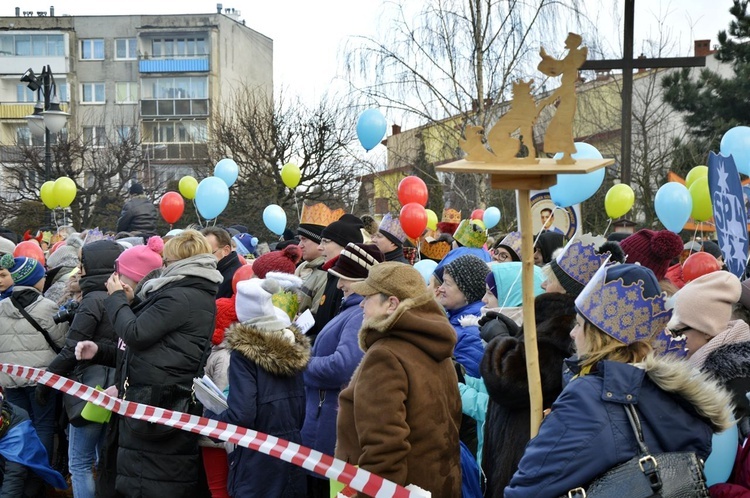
(195, 87)
(175, 132)
(125, 48)
(126, 92)
(23, 94)
(92, 93)
(178, 47)
(92, 49)
(95, 136)
(28, 45)
(127, 133)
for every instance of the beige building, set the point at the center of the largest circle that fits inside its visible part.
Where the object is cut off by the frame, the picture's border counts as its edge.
(157, 77)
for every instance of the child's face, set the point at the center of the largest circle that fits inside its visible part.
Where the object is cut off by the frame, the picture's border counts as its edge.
(6, 281)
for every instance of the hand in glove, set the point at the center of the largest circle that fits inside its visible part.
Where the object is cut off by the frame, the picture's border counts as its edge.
(42, 394)
(494, 324)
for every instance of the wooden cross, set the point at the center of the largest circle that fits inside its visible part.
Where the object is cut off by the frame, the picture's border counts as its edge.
(627, 64)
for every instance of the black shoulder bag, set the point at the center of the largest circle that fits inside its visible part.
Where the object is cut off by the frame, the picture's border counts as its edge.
(662, 475)
(34, 323)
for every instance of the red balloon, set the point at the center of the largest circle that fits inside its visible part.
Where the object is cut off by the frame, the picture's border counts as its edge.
(412, 189)
(477, 214)
(29, 249)
(244, 272)
(699, 264)
(171, 207)
(413, 219)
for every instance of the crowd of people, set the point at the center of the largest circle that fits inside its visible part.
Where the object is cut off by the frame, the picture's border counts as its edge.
(414, 372)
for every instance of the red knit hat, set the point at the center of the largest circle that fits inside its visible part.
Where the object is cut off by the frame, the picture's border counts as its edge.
(654, 250)
(284, 261)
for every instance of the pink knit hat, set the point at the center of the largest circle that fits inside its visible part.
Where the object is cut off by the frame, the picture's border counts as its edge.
(138, 261)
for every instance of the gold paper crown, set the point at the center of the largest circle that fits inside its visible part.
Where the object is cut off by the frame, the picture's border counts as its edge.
(319, 214)
(620, 309)
(451, 216)
(580, 259)
(434, 250)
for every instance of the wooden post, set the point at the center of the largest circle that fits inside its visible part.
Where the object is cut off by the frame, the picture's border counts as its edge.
(529, 320)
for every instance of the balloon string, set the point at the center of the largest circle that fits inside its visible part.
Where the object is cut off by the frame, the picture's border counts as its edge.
(607, 229)
(200, 223)
(294, 193)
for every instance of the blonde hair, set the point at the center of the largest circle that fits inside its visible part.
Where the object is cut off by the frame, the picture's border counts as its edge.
(185, 245)
(598, 346)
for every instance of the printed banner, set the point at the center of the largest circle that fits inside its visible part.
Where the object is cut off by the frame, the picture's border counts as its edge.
(730, 214)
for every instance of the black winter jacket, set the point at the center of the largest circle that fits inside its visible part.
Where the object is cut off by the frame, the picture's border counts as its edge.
(228, 265)
(138, 215)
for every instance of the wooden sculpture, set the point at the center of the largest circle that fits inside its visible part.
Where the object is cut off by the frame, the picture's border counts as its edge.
(499, 158)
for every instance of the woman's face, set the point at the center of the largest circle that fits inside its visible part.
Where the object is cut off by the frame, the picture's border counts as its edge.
(538, 258)
(553, 285)
(501, 255)
(489, 298)
(345, 286)
(695, 340)
(449, 295)
(577, 334)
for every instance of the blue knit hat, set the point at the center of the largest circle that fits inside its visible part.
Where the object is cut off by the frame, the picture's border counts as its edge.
(246, 243)
(24, 271)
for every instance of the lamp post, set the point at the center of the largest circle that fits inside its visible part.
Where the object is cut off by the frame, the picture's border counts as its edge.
(47, 118)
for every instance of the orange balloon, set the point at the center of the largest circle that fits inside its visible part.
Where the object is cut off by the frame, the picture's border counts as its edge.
(29, 249)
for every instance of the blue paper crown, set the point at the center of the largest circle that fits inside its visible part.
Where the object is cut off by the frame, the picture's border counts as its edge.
(621, 310)
(580, 260)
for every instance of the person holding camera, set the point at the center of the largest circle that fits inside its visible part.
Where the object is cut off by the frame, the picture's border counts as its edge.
(29, 337)
(88, 321)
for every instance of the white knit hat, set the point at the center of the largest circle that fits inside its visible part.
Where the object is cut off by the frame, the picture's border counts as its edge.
(705, 304)
(253, 298)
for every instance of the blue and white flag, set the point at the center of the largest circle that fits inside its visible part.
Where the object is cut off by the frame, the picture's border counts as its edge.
(22, 445)
(729, 211)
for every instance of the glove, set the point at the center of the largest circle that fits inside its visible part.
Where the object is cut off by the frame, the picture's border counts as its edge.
(494, 324)
(42, 394)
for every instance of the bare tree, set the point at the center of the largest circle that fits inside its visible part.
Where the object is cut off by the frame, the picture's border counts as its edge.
(261, 136)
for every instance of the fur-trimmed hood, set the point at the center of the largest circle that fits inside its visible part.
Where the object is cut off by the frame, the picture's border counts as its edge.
(420, 321)
(271, 350)
(708, 397)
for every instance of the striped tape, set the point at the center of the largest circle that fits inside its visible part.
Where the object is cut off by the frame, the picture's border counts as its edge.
(307, 458)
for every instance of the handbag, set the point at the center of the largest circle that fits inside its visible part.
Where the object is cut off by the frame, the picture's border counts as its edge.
(91, 375)
(646, 475)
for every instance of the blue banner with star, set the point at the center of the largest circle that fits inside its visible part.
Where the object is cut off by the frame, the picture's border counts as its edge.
(730, 214)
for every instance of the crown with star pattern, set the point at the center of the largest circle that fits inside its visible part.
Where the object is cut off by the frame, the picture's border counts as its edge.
(629, 312)
(580, 260)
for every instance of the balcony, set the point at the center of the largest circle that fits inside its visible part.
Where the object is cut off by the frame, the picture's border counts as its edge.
(174, 108)
(15, 110)
(183, 151)
(197, 64)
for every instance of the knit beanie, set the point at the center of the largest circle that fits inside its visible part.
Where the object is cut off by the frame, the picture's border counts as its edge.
(654, 250)
(98, 258)
(137, 261)
(24, 271)
(254, 298)
(705, 304)
(346, 229)
(284, 261)
(136, 189)
(246, 243)
(6, 246)
(470, 273)
(712, 248)
(355, 261)
(391, 229)
(66, 254)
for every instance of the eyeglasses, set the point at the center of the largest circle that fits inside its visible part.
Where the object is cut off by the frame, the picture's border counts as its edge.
(677, 332)
(502, 256)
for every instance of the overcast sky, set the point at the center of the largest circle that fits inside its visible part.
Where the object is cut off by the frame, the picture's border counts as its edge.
(307, 35)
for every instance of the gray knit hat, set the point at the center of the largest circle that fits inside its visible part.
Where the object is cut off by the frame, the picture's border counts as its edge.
(470, 274)
(67, 254)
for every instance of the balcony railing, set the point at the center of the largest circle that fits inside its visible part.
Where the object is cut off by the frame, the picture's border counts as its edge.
(176, 151)
(175, 64)
(174, 107)
(15, 110)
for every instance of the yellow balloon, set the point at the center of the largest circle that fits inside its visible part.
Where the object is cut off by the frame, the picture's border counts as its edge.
(64, 191)
(619, 200)
(694, 174)
(702, 208)
(47, 194)
(432, 219)
(188, 186)
(290, 175)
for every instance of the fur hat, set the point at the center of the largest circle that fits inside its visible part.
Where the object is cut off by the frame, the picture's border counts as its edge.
(705, 304)
(356, 260)
(470, 273)
(347, 229)
(137, 261)
(66, 254)
(284, 261)
(24, 271)
(392, 279)
(654, 250)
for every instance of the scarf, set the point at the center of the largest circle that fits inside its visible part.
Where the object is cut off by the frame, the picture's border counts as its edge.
(200, 265)
(736, 331)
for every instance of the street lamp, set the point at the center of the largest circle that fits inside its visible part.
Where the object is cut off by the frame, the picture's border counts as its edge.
(48, 117)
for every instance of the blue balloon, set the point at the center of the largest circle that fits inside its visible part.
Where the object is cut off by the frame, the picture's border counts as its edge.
(371, 127)
(227, 170)
(491, 217)
(211, 197)
(737, 143)
(274, 218)
(720, 462)
(673, 206)
(574, 189)
(425, 268)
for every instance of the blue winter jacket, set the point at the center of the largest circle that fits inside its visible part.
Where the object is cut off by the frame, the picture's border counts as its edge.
(469, 349)
(588, 433)
(335, 355)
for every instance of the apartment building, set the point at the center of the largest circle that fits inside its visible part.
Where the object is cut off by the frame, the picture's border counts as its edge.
(158, 77)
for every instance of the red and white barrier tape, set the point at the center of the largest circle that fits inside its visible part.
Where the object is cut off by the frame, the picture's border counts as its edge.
(307, 458)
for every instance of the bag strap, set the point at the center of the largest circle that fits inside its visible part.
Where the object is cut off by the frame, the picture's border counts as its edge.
(36, 325)
(647, 463)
